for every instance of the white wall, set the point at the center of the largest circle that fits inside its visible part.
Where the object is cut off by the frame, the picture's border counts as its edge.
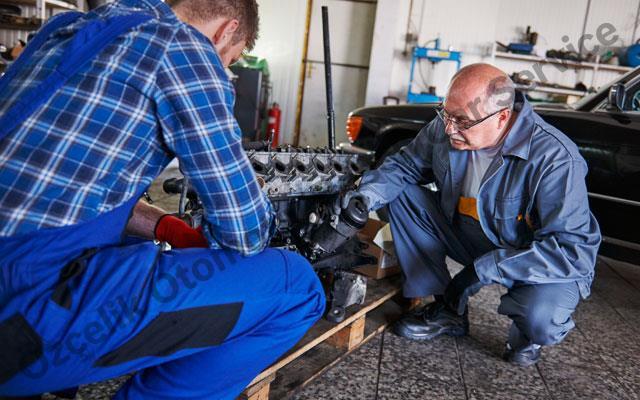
(388, 19)
(281, 42)
(472, 26)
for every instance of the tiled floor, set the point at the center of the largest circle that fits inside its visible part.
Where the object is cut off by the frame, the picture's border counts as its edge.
(600, 359)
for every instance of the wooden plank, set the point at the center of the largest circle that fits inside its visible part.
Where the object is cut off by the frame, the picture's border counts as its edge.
(377, 293)
(259, 391)
(350, 336)
(324, 356)
(262, 394)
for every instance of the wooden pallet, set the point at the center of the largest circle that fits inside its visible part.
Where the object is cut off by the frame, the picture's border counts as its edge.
(327, 343)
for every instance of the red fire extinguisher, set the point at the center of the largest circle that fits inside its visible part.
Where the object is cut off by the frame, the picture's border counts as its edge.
(273, 127)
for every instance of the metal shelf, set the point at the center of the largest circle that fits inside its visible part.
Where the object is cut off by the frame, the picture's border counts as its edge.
(551, 90)
(21, 27)
(567, 63)
(42, 8)
(59, 4)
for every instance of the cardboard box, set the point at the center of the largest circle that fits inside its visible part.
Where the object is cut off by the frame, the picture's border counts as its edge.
(377, 235)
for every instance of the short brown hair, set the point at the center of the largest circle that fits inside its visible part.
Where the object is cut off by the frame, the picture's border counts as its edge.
(245, 11)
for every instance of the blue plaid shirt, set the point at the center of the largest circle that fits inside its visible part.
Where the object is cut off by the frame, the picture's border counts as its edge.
(157, 92)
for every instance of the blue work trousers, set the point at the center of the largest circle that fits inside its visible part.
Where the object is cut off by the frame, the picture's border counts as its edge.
(423, 237)
(193, 323)
(78, 305)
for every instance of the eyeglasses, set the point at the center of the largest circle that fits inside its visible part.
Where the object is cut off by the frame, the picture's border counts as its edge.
(462, 126)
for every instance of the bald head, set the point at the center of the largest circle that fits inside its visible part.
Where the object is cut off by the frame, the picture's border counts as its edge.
(478, 109)
(483, 88)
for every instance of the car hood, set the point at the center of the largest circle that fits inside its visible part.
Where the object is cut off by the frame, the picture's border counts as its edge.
(419, 113)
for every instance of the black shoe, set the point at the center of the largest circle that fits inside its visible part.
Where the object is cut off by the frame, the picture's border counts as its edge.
(523, 357)
(434, 320)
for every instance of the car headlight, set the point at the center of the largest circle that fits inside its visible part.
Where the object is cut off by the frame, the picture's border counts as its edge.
(354, 125)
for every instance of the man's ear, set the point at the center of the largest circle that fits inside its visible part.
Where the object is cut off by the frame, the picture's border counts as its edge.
(225, 32)
(505, 116)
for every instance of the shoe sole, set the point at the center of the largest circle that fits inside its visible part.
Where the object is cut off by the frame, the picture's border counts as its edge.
(522, 362)
(456, 332)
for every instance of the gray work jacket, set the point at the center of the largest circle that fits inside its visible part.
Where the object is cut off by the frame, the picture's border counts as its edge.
(532, 201)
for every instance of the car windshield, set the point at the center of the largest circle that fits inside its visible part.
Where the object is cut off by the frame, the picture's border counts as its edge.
(588, 98)
(604, 88)
(576, 105)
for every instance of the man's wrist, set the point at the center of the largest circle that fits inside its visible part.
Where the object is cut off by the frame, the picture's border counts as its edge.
(144, 220)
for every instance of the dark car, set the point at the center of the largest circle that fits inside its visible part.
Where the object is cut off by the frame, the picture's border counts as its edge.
(604, 125)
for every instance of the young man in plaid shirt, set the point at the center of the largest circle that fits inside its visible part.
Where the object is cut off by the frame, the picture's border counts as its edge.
(78, 304)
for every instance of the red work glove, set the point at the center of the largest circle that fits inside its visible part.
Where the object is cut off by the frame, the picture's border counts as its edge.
(178, 233)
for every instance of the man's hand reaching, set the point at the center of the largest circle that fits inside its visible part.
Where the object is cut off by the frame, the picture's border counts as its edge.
(354, 194)
(464, 285)
(151, 222)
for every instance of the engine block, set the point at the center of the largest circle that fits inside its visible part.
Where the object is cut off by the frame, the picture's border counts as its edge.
(305, 187)
(289, 172)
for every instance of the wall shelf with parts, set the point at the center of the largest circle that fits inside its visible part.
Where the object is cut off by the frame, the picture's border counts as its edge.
(23, 27)
(20, 17)
(594, 67)
(50, 4)
(551, 90)
(32, 14)
(566, 63)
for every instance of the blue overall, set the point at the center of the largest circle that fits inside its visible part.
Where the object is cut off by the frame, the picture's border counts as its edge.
(423, 237)
(82, 303)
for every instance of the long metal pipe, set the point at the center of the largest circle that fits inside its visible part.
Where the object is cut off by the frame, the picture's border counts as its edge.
(331, 115)
(635, 26)
(303, 74)
(406, 36)
(584, 29)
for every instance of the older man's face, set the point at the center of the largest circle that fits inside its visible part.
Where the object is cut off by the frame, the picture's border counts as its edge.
(461, 111)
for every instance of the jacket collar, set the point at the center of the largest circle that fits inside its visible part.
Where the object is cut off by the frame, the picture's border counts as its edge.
(518, 141)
